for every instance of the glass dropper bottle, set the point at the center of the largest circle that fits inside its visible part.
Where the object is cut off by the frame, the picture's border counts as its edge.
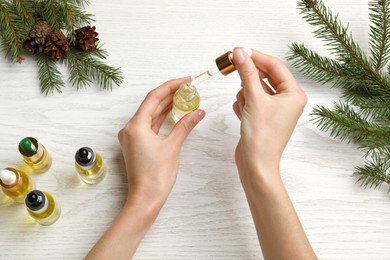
(187, 99)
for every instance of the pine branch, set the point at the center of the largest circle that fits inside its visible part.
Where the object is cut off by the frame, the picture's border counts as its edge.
(49, 76)
(89, 64)
(50, 11)
(11, 32)
(339, 40)
(375, 172)
(73, 18)
(24, 10)
(78, 75)
(344, 123)
(379, 33)
(316, 67)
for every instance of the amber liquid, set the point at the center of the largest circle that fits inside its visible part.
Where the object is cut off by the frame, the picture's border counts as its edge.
(182, 104)
(21, 189)
(41, 165)
(51, 215)
(94, 175)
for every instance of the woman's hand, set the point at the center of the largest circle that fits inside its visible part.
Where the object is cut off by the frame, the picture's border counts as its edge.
(152, 160)
(151, 165)
(267, 118)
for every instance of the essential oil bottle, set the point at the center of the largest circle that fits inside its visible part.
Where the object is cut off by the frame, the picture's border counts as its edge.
(42, 207)
(185, 100)
(15, 184)
(35, 155)
(89, 165)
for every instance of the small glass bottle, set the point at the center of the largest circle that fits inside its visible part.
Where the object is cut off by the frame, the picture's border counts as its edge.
(35, 155)
(185, 100)
(42, 207)
(89, 165)
(15, 184)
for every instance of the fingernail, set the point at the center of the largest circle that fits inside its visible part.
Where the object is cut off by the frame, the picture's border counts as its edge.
(199, 116)
(239, 56)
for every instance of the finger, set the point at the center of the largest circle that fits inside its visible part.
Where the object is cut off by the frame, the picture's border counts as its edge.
(156, 96)
(183, 128)
(158, 121)
(248, 73)
(237, 110)
(276, 70)
(167, 101)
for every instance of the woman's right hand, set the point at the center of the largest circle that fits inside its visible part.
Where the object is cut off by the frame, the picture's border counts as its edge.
(267, 118)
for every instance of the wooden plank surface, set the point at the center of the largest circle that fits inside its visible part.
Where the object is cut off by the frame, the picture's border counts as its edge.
(206, 216)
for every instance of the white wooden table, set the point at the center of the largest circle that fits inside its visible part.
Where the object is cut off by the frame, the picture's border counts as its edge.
(206, 216)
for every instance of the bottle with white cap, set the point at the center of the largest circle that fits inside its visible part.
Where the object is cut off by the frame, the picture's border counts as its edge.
(42, 207)
(187, 99)
(89, 165)
(35, 154)
(15, 184)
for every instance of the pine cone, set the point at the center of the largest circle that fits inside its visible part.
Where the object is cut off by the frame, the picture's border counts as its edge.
(86, 38)
(56, 45)
(35, 41)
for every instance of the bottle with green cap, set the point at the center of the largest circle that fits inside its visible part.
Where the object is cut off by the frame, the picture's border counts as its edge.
(42, 207)
(35, 154)
(15, 184)
(89, 165)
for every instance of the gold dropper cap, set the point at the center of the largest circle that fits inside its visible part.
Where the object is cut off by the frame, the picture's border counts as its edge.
(225, 63)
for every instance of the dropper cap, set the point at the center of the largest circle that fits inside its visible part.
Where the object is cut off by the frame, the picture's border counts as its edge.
(28, 146)
(85, 156)
(35, 200)
(225, 62)
(8, 177)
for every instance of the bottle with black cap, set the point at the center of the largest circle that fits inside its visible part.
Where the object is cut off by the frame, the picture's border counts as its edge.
(15, 184)
(42, 207)
(35, 154)
(89, 165)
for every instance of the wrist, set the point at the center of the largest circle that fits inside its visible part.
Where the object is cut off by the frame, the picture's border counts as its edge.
(144, 203)
(261, 178)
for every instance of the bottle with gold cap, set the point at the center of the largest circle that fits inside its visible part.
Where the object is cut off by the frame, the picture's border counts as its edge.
(187, 99)
(15, 184)
(42, 207)
(35, 154)
(89, 165)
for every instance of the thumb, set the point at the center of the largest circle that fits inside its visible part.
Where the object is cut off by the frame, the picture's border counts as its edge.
(185, 125)
(248, 72)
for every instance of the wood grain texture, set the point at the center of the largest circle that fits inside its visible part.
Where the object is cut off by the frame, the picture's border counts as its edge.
(206, 216)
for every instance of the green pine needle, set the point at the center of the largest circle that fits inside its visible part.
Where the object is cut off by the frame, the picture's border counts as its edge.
(49, 76)
(363, 117)
(85, 67)
(374, 173)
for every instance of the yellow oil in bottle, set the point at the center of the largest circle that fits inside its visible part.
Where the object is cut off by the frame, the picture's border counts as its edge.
(41, 164)
(20, 188)
(185, 100)
(93, 173)
(51, 213)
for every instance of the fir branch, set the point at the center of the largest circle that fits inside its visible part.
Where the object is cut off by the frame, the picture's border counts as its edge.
(50, 11)
(344, 123)
(89, 63)
(316, 67)
(11, 29)
(24, 10)
(379, 33)
(73, 18)
(375, 172)
(340, 41)
(78, 75)
(49, 76)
